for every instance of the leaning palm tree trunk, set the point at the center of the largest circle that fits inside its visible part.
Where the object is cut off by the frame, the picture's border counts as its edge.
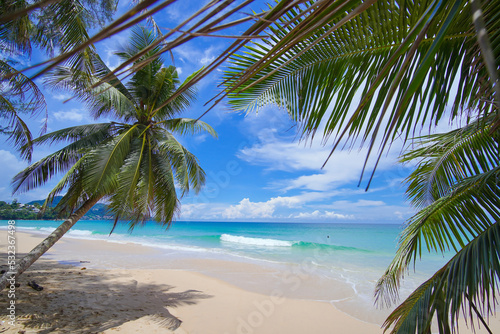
(44, 246)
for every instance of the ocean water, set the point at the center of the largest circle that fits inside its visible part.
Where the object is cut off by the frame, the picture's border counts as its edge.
(338, 263)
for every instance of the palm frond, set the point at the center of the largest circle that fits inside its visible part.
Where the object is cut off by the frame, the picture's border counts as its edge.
(469, 279)
(403, 65)
(21, 88)
(111, 98)
(166, 84)
(446, 158)
(166, 205)
(93, 133)
(71, 181)
(128, 201)
(490, 62)
(450, 222)
(210, 22)
(19, 96)
(154, 194)
(84, 139)
(38, 173)
(189, 126)
(106, 160)
(141, 39)
(188, 173)
(17, 129)
(15, 33)
(64, 24)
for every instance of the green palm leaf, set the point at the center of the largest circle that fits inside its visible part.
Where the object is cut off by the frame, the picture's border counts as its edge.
(93, 133)
(111, 98)
(19, 95)
(130, 176)
(61, 25)
(470, 278)
(448, 223)
(166, 205)
(106, 161)
(15, 34)
(450, 157)
(455, 186)
(84, 138)
(169, 82)
(188, 126)
(184, 163)
(401, 57)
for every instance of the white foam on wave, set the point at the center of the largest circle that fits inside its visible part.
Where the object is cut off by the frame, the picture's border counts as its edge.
(152, 243)
(18, 228)
(47, 229)
(255, 241)
(79, 233)
(37, 230)
(84, 234)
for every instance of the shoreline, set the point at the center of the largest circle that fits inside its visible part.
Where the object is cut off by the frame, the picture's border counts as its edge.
(293, 280)
(209, 277)
(195, 303)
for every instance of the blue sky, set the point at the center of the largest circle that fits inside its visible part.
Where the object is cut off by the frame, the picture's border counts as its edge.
(258, 169)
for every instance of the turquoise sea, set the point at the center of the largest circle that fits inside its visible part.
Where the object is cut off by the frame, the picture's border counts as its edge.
(337, 256)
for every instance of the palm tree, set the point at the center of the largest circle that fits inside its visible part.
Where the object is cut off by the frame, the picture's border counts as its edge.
(134, 162)
(59, 26)
(455, 187)
(406, 59)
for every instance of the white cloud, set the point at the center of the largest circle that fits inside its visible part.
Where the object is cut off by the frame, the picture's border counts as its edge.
(202, 211)
(322, 215)
(198, 56)
(208, 56)
(268, 118)
(369, 210)
(10, 164)
(247, 209)
(192, 210)
(112, 45)
(75, 115)
(61, 96)
(344, 167)
(178, 11)
(200, 138)
(277, 149)
(308, 205)
(399, 214)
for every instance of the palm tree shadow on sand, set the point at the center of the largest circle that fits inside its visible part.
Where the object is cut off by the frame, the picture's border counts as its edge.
(91, 301)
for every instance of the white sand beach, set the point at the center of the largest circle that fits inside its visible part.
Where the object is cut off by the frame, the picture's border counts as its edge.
(81, 299)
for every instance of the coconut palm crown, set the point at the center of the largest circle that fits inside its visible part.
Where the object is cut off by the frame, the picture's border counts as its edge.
(134, 162)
